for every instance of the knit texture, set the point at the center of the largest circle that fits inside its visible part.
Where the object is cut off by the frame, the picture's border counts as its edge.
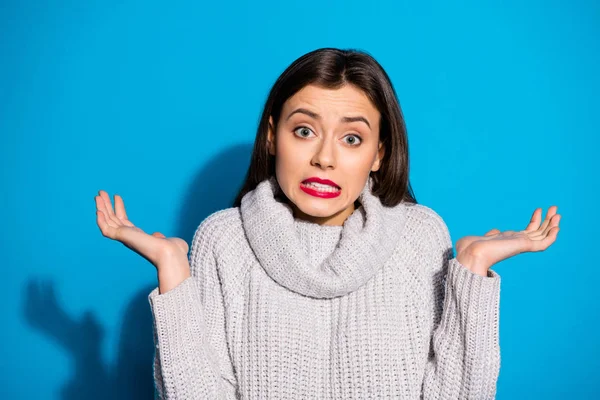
(283, 308)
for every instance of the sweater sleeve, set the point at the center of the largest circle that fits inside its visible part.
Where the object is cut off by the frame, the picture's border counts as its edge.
(464, 354)
(191, 359)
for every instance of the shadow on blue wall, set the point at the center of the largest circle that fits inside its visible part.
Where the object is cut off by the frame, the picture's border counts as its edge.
(214, 188)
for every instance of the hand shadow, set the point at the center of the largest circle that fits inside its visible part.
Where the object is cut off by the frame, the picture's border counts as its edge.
(214, 188)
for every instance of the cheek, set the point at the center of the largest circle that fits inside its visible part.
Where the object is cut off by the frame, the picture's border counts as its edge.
(358, 161)
(290, 154)
(288, 163)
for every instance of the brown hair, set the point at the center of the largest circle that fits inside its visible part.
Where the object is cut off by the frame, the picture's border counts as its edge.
(332, 68)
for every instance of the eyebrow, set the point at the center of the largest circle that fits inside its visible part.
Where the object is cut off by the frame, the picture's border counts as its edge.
(317, 116)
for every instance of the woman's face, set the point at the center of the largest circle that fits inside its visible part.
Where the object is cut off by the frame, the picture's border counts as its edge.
(330, 135)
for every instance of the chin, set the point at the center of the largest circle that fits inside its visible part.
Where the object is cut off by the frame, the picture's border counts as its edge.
(321, 211)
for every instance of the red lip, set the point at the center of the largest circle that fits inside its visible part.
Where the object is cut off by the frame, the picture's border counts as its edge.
(316, 193)
(322, 181)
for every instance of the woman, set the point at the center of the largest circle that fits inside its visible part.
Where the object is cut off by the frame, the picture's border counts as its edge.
(326, 279)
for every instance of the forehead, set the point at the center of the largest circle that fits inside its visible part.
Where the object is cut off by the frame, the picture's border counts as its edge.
(346, 100)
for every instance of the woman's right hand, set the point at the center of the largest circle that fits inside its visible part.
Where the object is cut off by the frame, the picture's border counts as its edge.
(162, 252)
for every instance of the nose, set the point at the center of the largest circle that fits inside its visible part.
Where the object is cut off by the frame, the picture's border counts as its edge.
(324, 156)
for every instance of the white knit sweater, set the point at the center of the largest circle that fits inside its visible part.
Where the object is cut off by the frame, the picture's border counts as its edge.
(282, 308)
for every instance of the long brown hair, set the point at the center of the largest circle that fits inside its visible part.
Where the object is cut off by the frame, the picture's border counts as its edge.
(331, 68)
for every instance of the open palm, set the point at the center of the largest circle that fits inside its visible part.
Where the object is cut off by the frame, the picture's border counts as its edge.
(114, 224)
(496, 245)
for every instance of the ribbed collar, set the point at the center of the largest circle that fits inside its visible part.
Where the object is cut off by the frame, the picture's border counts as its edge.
(321, 261)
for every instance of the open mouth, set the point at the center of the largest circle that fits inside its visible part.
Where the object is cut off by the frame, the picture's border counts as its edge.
(320, 187)
(321, 190)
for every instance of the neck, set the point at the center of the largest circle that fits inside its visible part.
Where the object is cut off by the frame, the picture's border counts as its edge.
(336, 219)
(316, 260)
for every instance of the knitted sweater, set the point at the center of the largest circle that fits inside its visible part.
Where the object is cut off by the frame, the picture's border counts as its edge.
(281, 308)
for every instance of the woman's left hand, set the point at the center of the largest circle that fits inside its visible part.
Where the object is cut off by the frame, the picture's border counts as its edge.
(479, 253)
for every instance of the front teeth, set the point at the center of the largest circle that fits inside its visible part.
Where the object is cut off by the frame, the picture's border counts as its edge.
(321, 187)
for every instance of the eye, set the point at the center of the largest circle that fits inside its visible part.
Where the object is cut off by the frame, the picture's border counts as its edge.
(304, 131)
(355, 140)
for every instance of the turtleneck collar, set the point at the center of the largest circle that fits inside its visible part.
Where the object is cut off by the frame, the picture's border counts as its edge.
(322, 261)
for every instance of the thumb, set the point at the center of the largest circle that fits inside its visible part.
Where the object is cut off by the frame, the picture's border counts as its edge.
(492, 232)
(182, 244)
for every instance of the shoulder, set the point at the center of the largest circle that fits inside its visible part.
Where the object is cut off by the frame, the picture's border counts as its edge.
(218, 226)
(423, 214)
(219, 237)
(222, 219)
(428, 225)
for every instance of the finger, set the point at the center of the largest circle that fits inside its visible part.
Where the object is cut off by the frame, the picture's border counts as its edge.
(120, 210)
(107, 203)
(543, 244)
(109, 208)
(551, 212)
(101, 206)
(554, 221)
(534, 222)
(492, 232)
(106, 229)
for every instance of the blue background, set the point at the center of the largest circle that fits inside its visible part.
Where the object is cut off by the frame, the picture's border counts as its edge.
(159, 103)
